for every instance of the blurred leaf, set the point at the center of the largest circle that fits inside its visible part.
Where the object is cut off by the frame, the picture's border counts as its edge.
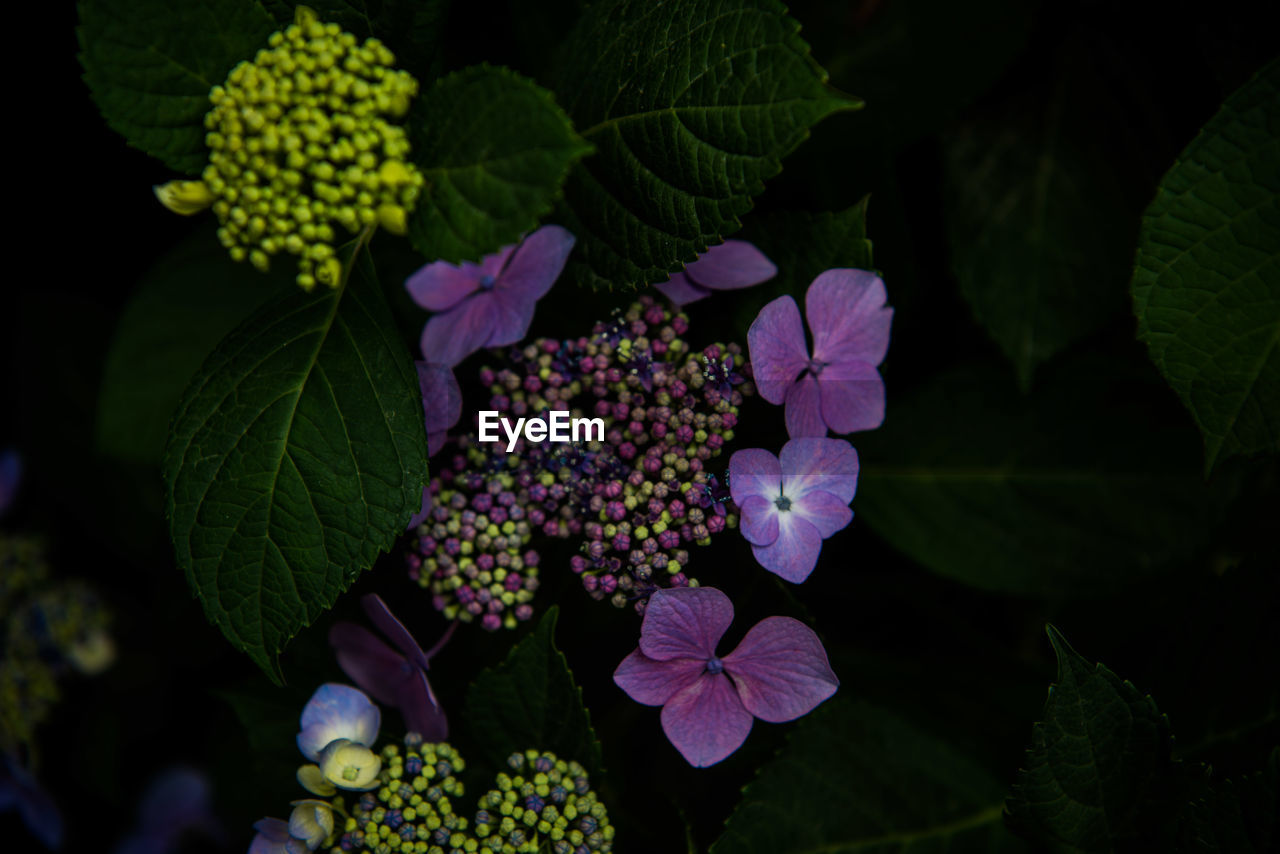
(1039, 232)
(297, 454)
(854, 778)
(1235, 816)
(412, 29)
(531, 701)
(485, 185)
(1081, 488)
(1206, 286)
(150, 65)
(916, 62)
(1098, 766)
(691, 104)
(182, 308)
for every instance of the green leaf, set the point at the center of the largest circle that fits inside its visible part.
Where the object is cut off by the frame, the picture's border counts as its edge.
(853, 778)
(1235, 816)
(1039, 232)
(150, 65)
(297, 454)
(531, 701)
(691, 104)
(1082, 487)
(411, 29)
(1099, 763)
(182, 308)
(1206, 286)
(486, 183)
(917, 62)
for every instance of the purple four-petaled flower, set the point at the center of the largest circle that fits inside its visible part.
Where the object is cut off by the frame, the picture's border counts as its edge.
(728, 266)
(489, 304)
(393, 678)
(792, 502)
(778, 673)
(838, 387)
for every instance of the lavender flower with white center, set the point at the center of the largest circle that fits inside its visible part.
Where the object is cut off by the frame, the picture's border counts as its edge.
(792, 502)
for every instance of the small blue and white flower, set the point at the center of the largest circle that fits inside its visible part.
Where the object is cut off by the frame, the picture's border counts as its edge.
(339, 724)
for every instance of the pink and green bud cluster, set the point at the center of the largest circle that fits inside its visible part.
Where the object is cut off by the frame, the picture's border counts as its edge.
(473, 548)
(640, 498)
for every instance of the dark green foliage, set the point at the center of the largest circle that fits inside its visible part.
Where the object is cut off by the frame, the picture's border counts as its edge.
(531, 701)
(1083, 487)
(1206, 287)
(691, 104)
(855, 778)
(485, 185)
(150, 66)
(182, 308)
(1098, 762)
(412, 29)
(298, 454)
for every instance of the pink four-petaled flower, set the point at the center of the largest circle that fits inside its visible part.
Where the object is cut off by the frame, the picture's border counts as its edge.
(778, 673)
(838, 387)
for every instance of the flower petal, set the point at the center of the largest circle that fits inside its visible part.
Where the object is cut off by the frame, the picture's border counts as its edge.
(731, 265)
(385, 621)
(425, 510)
(804, 409)
(441, 396)
(655, 682)
(775, 343)
(311, 778)
(10, 477)
(781, 670)
(349, 765)
(795, 553)
(421, 710)
(440, 286)
(810, 463)
(512, 318)
(824, 511)
(452, 336)
(759, 520)
(536, 264)
(273, 838)
(680, 290)
(754, 471)
(337, 711)
(311, 822)
(685, 622)
(706, 721)
(848, 317)
(377, 668)
(852, 396)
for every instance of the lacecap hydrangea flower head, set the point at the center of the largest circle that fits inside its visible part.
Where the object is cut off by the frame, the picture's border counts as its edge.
(303, 142)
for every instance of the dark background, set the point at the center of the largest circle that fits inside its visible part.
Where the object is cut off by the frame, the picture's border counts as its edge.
(971, 665)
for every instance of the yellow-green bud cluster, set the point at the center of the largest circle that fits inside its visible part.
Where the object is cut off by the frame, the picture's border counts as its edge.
(547, 805)
(302, 143)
